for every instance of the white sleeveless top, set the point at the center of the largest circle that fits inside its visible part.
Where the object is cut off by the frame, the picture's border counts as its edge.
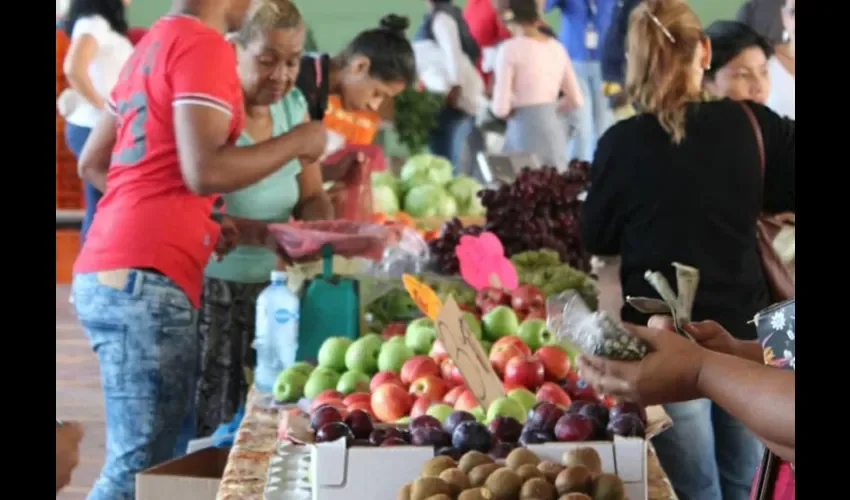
(782, 96)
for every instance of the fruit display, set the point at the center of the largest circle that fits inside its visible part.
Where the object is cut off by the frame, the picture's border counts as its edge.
(426, 188)
(522, 475)
(544, 269)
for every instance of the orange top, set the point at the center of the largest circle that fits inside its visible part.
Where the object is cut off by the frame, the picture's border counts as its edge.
(358, 127)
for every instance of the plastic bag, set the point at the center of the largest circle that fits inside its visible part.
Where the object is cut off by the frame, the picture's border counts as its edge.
(304, 240)
(596, 333)
(352, 197)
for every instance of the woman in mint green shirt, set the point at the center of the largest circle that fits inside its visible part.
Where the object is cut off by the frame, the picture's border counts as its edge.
(269, 49)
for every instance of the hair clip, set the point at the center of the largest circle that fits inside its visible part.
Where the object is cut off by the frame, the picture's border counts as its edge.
(663, 28)
(508, 15)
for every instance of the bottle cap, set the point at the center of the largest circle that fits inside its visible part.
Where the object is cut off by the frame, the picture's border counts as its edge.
(278, 275)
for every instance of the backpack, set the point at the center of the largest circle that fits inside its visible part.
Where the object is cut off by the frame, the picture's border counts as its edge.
(313, 84)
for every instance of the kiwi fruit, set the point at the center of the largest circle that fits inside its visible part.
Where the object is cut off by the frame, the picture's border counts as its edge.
(475, 494)
(537, 488)
(478, 476)
(434, 466)
(404, 492)
(609, 487)
(504, 484)
(520, 457)
(426, 487)
(585, 456)
(575, 479)
(550, 470)
(471, 460)
(528, 471)
(575, 496)
(441, 496)
(457, 480)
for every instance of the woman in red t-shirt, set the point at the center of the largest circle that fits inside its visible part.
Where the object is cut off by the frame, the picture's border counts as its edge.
(161, 154)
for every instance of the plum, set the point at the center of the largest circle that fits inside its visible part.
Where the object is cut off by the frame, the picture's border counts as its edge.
(544, 418)
(429, 436)
(324, 415)
(577, 405)
(425, 421)
(450, 452)
(455, 418)
(596, 411)
(377, 436)
(360, 424)
(470, 436)
(626, 425)
(501, 449)
(393, 441)
(505, 429)
(628, 407)
(333, 431)
(574, 427)
(531, 436)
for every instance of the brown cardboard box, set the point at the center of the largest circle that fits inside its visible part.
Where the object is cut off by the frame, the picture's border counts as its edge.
(195, 476)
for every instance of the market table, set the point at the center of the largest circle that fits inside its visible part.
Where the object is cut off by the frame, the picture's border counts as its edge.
(244, 477)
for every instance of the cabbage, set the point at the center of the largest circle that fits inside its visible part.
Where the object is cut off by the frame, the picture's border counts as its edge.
(426, 169)
(386, 178)
(428, 200)
(384, 200)
(447, 207)
(464, 190)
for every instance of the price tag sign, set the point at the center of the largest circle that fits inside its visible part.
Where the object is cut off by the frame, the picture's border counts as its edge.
(483, 262)
(423, 296)
(465, 350)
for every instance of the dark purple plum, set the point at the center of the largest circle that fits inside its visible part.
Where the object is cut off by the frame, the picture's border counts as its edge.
(501, 449)
(361, 442)
(574, 427)
(393, 441)
(377, 436)
(597, 412)
(576, 406)
(450, 452)
(534, 408)
(544, 417)
(404, 434)
(324, 415)
(531, 436)
(505, 429)
(360, 424)
(626, 425)
(628, 408)
(333, 431)
(429, 436)
(455, 418)
(470, 436)
(425, 421)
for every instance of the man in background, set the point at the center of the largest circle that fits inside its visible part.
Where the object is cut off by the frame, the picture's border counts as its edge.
(614, 59)
(765, 17)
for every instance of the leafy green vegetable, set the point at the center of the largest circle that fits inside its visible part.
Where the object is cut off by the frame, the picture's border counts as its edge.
(415, 116)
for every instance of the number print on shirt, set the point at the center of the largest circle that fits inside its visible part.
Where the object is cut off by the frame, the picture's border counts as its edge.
(136, 108)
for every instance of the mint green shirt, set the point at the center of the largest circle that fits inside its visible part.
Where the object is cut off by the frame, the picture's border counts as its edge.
(272, 199)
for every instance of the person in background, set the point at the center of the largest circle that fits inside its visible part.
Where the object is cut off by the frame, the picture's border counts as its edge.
(738, 62)
(347, 90)
(486, 27)
(268, 51)
(783, 68)
(165, 150)
(99, 48)
(68, 437)
(764, 17)
(613, 59)
(682, 182)
(532, 68)
(444, 24)
(584, 26)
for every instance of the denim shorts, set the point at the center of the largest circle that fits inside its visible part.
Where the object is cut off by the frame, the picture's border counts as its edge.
(143, 329)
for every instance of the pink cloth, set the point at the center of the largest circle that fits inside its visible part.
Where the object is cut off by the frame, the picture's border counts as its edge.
(531, 71)
(785, 486)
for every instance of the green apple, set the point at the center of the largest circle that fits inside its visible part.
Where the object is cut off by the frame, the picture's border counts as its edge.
(353, 381)
(403, 421)
(479, 414)
(524, 397)
(302, 367)
(535, 333)
(362, 355)
(486, 345)
(372, 339)
(399, 339)
(474, 324)
(440, 411)
(393, 355)
(321, 379)
(506, 407)
(289, 386)
(571, 350)
(332, 353)
(420, 335)
(500, 321)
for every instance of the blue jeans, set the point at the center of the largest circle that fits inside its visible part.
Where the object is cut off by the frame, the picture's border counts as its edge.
(455, 131)
(75, 138)
(591, 120)
(143, 329)
(708, 454)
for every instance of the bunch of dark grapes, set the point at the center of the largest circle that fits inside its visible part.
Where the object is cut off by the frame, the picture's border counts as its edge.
(539, 210)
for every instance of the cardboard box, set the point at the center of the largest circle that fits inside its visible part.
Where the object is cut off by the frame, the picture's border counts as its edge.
(195, 476)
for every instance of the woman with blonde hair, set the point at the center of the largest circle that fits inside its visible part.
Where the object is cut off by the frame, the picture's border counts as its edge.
(683, 181)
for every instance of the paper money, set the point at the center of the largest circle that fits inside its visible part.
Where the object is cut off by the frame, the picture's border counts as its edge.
(662, 286)
(687, 281)
(679, 305)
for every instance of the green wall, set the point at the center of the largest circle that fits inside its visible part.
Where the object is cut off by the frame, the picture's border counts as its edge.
(337, 21)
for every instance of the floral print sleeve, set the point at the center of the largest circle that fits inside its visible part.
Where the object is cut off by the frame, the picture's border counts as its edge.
(775, 326)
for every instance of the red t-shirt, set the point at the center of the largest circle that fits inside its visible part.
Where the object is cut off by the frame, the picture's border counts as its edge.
(147, 217)
(486, 27)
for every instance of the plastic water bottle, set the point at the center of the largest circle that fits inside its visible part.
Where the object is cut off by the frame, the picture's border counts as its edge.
(276, 334)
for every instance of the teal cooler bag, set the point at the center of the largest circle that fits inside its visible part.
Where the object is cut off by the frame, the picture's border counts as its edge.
(330, 307)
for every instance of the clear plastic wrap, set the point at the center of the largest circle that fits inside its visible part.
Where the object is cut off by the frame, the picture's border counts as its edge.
(596, 333)
(304, 240)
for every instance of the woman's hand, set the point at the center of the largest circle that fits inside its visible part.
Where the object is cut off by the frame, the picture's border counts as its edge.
(313, 138)
(340, 168)
(236, 231)
(712, 336)
(68, 437)
(668, 374)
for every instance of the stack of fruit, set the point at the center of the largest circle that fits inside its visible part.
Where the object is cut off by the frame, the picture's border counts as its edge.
(523, 476)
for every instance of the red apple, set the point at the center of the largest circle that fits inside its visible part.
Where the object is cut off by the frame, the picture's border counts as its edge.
(361, 405)
(525, 371)
(454, 394)
(390, 402)
(382, 378)
(336, 403)
(417, 367)
(526, 298)
(393, 329)
(607, 401)
(505, 349)
(555, 361)
(489, 297)
(451, 372)
(328, 394)
(578, 389)
(430, 385)
(420, 406)
(536, 314)
(509, 387)
(438, 352)
(552, 393)
(355, 397)
(466, 401)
